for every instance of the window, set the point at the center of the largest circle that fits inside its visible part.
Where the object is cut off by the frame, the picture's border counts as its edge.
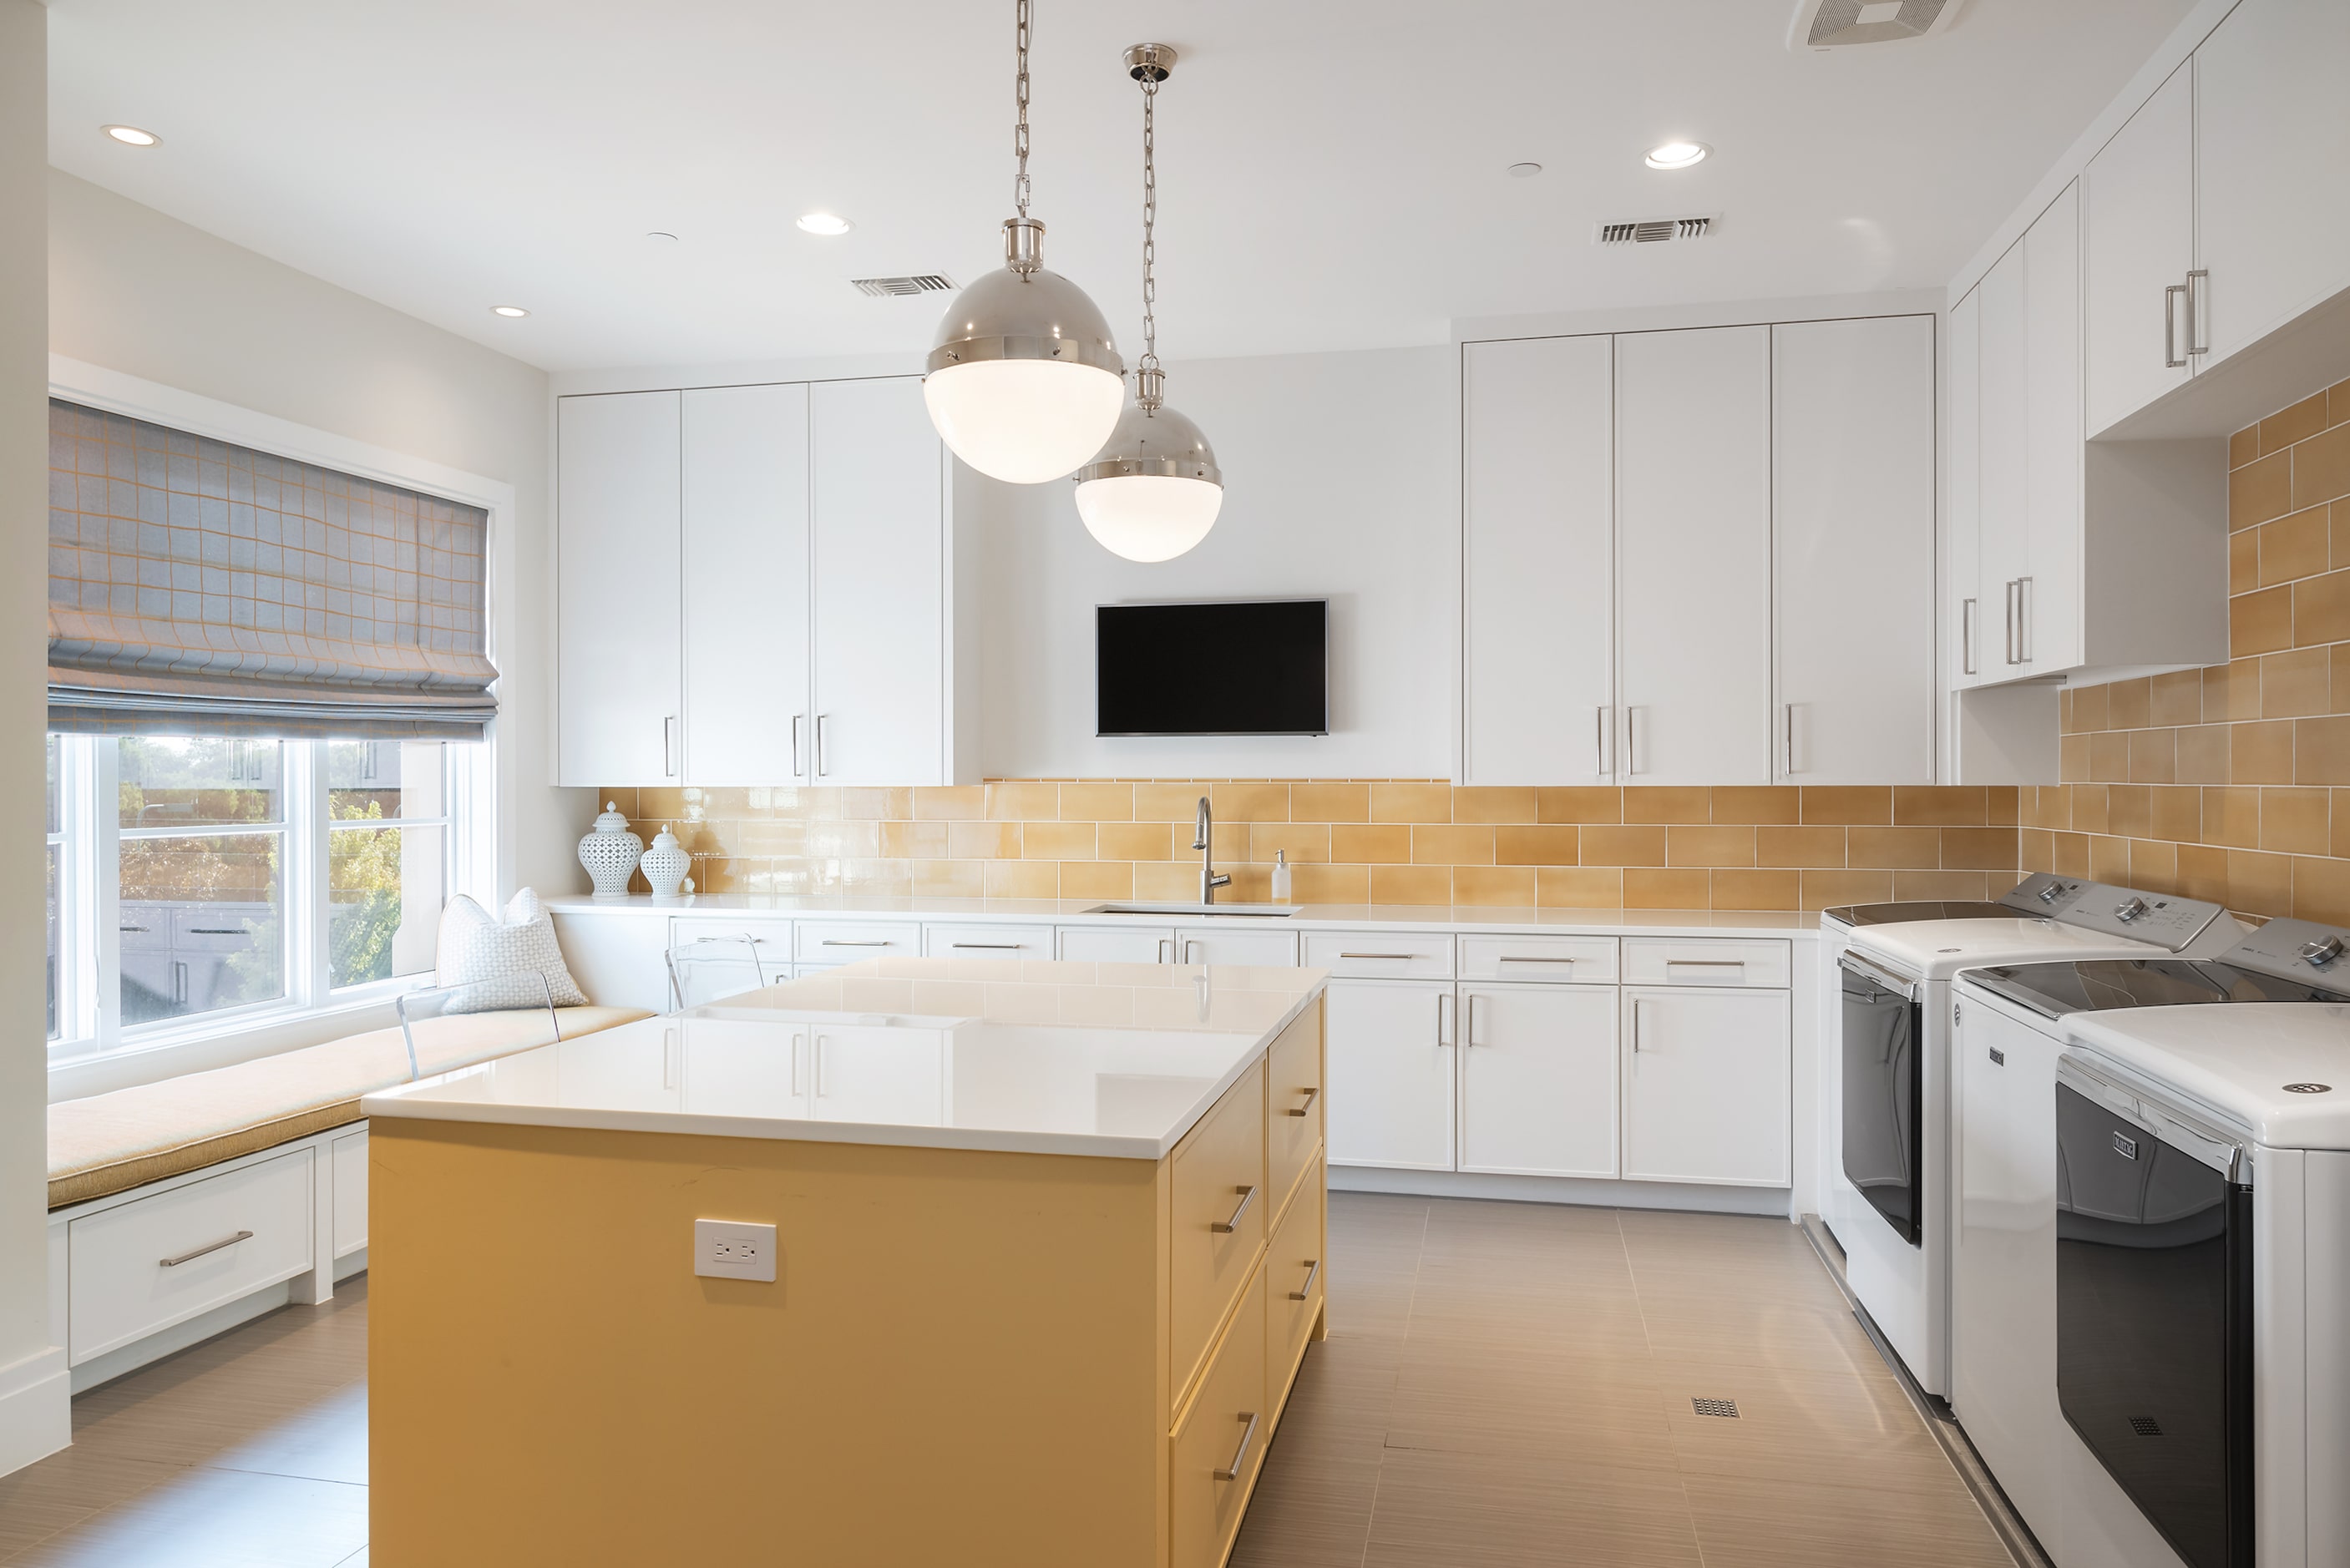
(205, 883)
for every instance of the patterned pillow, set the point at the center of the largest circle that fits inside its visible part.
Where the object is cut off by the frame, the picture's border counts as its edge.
(501, 961)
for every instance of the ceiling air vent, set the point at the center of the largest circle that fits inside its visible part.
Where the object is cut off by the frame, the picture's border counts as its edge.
(895, 287)
(1844, 24)
(1650, 231)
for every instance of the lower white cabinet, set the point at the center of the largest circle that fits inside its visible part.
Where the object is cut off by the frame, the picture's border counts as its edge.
(1537, 1079)
(1117, 944)
(1224, 945)
(1389, 1047)
(987, 941)
(1707, 1085)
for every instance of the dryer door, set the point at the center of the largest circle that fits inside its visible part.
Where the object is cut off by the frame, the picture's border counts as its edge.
(1884, 1121)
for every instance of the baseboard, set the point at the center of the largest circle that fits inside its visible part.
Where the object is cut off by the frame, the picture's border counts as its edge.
(35, 1408)
(1692, 1196)
(165, 1342)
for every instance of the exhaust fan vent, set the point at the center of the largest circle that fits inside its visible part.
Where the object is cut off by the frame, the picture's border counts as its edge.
(1843, 24)
(895, 287)
(1650, 231)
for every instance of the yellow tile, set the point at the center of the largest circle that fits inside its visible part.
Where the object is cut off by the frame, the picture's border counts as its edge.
(984, 840)
(2260, 490)
(1607, 845)
(2243, 561)
(2296, 820)
(1024, 878)
(2073, 758)
(2035, 851)
(1538, 846)
(2154, 864)
(2203, 872)
(949, 878)
(2262, 753)
(2286, 426)
(914, 840)
(1650, 887)
(2321, 891)
(2231, 816)
(1799, 846)
(2341, 823)
(2154, 756)
(1250, 802)
(1014, 802)
(2109, 859)
(2177, 814)
(1578, 887)
(2127, 703)
(2232, 691)
(2340, 529)
(1434, 845)
(2203, 754)
(1304, 841)
(1496, 805)
(1826, 889)
(2092, 706)
(1231, 841)
(2109, 756)
(1330, 803)
(717, 875)
(1136, 840)
(1411, 884)
(2072, 858)
(1950, 885)
(1331, 884)
(2294, 548)
(2003, 805)
(2244, 446)
(1404, 801)
(1097, 879)
(867, 804)
(1709, 846)
(1847, 803)
(1167, 802)
(1647, 803)
(2321, 751)
(1493, 885)
(1370, 844)
(2297, 683)
(2321, 468)
(1892, 848)
(805, 805)
(2261, 622)
(1057, 841)
(1098, 803)
(1978, 849)
(2321, 609)
(2129, 810)
(964, 803)
(2088, 807)
(1758, 890)
(1777, 804)
(2259, 884)
(2337, 403)
(1168, 881)
(1251, 884)
(2338, 677)
(1941, 805)
(2065, 715)
(1581, 803)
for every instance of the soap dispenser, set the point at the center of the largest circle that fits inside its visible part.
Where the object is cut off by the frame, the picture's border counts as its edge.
(1280, 876)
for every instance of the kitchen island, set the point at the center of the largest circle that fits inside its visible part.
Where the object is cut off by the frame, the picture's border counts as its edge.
(1045, 1257)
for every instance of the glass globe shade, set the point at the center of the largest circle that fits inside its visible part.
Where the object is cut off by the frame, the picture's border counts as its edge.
(1148, 516)
(1023, 420)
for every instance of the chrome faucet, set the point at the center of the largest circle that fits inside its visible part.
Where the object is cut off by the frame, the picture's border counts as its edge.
(1210, 878)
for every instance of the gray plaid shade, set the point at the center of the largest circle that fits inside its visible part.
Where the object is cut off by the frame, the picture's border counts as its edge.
(197, 588)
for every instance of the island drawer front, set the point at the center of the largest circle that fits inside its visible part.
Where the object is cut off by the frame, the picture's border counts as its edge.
(1707, 960)
(847, 941)
(119, 1288)
(1293, 1085)
(1368, 955)
(1588, 960)
(1208, 1493)
(1293, 1286)
(772, 938)
(1218, 1181)
(1034, 943)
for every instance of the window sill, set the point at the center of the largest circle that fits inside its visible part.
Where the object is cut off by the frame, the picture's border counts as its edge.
(201, 1045)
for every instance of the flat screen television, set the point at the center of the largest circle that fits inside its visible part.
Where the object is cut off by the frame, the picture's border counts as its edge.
(1250, 667)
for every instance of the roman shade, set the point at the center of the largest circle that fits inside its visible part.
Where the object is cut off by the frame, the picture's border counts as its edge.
(200, 588)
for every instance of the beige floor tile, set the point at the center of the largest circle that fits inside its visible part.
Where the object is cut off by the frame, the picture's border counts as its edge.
(205, 1518)
(1480, 1511)
(1311, 1509)
(1593, 1410)
(1751, 1522)
(67, 1487)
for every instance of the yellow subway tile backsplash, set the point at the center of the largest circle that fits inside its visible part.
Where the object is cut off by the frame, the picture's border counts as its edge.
(1649, 802)
(1538, 846)
(1370, 844)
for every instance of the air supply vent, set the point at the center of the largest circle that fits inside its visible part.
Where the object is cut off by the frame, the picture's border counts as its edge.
(895, 287)
(1651, 230)
(1846, 24)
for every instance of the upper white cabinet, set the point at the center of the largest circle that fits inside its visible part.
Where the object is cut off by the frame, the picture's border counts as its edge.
(1851, 476)
(620, 590)
(2137, 208)
(1693, 543)
(2048, 595)
(1962, 539)
(1538, 642)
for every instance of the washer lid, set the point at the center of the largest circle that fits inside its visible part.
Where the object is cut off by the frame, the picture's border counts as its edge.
(2108, 985)
(1937, 950)
(2238, 1062)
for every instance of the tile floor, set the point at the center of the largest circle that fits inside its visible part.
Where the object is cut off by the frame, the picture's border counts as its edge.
(1503, 1385)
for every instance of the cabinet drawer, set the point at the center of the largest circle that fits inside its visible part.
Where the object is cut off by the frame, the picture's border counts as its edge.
(846, 941)
(217, 928)
(1117, 944)
(1705, 960)
(772, 938)
(1220, 1216)
(1219, 1444)
(1590, 960)
(1236, 945)
(1366, 955)
(144, 1266)
(1293, 1109)
(349, 1154)
(988, 941)
(1293, 1287)
(145, 927)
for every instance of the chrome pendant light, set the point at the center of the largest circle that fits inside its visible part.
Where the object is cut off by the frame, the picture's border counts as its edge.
(1153, 491)
(1023, 382)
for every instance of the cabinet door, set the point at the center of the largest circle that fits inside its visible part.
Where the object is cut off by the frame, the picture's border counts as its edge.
(1707, 1086)
(859, 1073)
(2003, 535)
(1117, 944)
(1222, 944)
(879, 528)
(2052, 353)
(1538, 1079)
(1693, 540)
(2138, 243)
(619, 585)
(1538, 503)
(1963, 604)
(1389, 1049)
(620, 959)
(2272, 138)
(746, 585)
(1852, 474)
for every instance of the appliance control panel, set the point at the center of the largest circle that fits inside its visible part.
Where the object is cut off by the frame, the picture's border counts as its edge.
(2300, 950)
(2044, 895)
(2166, 921)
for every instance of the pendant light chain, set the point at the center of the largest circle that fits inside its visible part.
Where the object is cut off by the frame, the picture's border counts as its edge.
(1020, 95)
(1147, 368)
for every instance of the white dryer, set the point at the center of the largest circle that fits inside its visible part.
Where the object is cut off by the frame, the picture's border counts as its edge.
(1894, 1130)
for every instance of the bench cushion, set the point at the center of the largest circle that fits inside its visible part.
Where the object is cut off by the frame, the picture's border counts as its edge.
(111, 1143)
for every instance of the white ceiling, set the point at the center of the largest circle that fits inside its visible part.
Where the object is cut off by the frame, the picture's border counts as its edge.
(1331, 171)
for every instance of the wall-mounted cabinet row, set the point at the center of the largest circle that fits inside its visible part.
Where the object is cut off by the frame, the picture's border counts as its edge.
(1701, 557)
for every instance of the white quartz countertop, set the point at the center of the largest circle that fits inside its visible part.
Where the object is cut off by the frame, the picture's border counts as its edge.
(1106, 1060)
(1325, 917)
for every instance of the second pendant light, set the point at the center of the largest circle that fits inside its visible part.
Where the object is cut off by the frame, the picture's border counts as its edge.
(1154, 490)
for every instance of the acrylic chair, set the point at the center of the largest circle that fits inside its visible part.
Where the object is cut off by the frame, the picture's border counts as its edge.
(712, 969)
(527, 990)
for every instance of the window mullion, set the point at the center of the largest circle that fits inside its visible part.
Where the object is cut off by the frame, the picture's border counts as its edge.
(307, 871)
(101, 801)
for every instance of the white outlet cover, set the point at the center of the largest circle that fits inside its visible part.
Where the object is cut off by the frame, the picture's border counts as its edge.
(734, 1250)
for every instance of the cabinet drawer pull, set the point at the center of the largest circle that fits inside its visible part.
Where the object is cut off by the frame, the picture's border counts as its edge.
(1312, 1271)
(1705, 963)
(1304, 1104)
(2199, 336)
(992, 947)
(1967, 636)
(2172, 359)
(207, 1247)
(1530, 958)
(1398, 957)
(1226, 1227)
(846, 942)
(1240, 1455)
(214, 931)
(668, 746)
(799, 769)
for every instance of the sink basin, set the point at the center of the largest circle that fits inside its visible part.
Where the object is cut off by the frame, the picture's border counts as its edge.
(1261, 911)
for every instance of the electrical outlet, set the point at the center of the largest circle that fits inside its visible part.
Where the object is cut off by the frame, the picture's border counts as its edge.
(734, 1250)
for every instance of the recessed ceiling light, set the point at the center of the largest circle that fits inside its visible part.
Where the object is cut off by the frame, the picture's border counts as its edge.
(825, 224)
(1677, 154)
(1524, 171)
(508, 310)
(132, 136)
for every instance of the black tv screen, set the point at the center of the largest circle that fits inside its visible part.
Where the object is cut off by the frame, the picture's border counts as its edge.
(1248, 669)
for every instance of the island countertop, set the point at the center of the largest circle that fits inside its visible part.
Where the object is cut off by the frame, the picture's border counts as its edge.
(1106, 1060)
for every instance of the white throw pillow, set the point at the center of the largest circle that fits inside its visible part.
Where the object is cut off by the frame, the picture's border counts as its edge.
(501, 959)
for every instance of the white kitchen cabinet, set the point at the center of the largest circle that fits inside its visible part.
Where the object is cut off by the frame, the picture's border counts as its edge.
(862, 1074)
(1693, 543)
(1538, 561)
(1275, 948)
(1389, 1045)
(882, 569)
(619, 604)
(1117, 944)
(1537, 1088)
(746, 569)
(2002, 532)
(2271, 140)
(620, 959)
(2049, 604)
(988, 940)
(2137, 247)
(1707, 1081)
(1962, 601)
(1852, 474)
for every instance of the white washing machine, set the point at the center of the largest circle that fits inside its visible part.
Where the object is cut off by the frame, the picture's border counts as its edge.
(1893, 1127)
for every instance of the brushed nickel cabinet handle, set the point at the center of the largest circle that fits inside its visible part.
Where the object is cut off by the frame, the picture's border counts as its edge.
(1304, 1106)
(992, 947)
(2198, 333)
(1312, 1271)
(799, 769)
(1398, 957)
(2023, 654)
(1635, 1026)
(1167, 949)
(1445, 1008)
(1530, 958)
(207, 1247)
(669, 745)
(1226, 1227)
(1790, 737)
(2172, 359)
(821, 1041)
(1705, 963)
(822, 767)
(847, 942)
(1966, 634)
(1240, 1455)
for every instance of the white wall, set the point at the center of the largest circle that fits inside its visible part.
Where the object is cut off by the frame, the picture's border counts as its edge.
(1342, 480)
